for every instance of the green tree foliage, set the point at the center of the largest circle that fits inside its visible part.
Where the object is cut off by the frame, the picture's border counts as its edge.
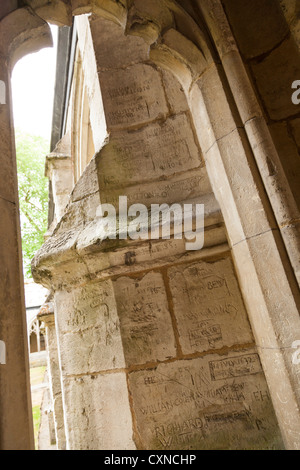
(33, 193)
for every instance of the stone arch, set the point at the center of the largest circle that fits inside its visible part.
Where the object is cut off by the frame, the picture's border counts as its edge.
(36, 336)
(23, 32)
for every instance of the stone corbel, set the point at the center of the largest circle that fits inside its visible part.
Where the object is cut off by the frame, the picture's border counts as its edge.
(149, 19)
(57, 12)
(114, 10)
(46, 314)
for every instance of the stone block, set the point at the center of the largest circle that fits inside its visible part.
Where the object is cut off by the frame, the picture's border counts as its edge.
(178, 188)
(210, 403)
(8, 183)
(89, 331)
(295, 126)
(212, 108)
(113, 48)
(289, 156)
(208, 306)
(97, 413)
(237, 191)
(175, 94)
(274, 319)
(145, 320)
(132, 96)
(159, 150)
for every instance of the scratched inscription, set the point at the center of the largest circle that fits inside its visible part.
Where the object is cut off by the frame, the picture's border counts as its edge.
(145, 320)
(180, 406)
(154, 151)
(132, 96)
(88, 326)
(208, 306)
(235, 367)
(179, 188)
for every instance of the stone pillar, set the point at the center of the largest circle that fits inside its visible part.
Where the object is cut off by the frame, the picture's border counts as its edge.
(21, 32)
(16, 428)
(156, 350)
(47, 316)
(271, 294)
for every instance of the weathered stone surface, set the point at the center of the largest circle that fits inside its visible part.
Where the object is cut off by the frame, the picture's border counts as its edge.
(203, 402)
(55, 11)
(241, 86)
(274, 77)
(253, 261)
(175, 94)
(214, 119)
(289, 156)
(97, 412)
(159, 150)
(132, 96)
(295, 125)
(291, 11)
(243, 181)
(23, 32)
(263, 300)
(114, 10)
(208, 306)
(216, 20)
(179, 188)
(216, 402)
(88, 184)
(53, 371)
(16, 432)
(7, 187)
(145, 321)
(258, 26)
(89, 331)
(126, 50)
(114, 259)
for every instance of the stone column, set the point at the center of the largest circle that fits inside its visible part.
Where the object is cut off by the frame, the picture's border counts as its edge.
(16, 428)
(21, 32)
(265, 274)
(47, 316)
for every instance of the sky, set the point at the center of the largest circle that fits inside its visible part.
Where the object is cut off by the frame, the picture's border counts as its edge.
(33, 82)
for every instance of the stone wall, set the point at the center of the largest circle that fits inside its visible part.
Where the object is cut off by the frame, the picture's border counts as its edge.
(159, 334)
(160, 348)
